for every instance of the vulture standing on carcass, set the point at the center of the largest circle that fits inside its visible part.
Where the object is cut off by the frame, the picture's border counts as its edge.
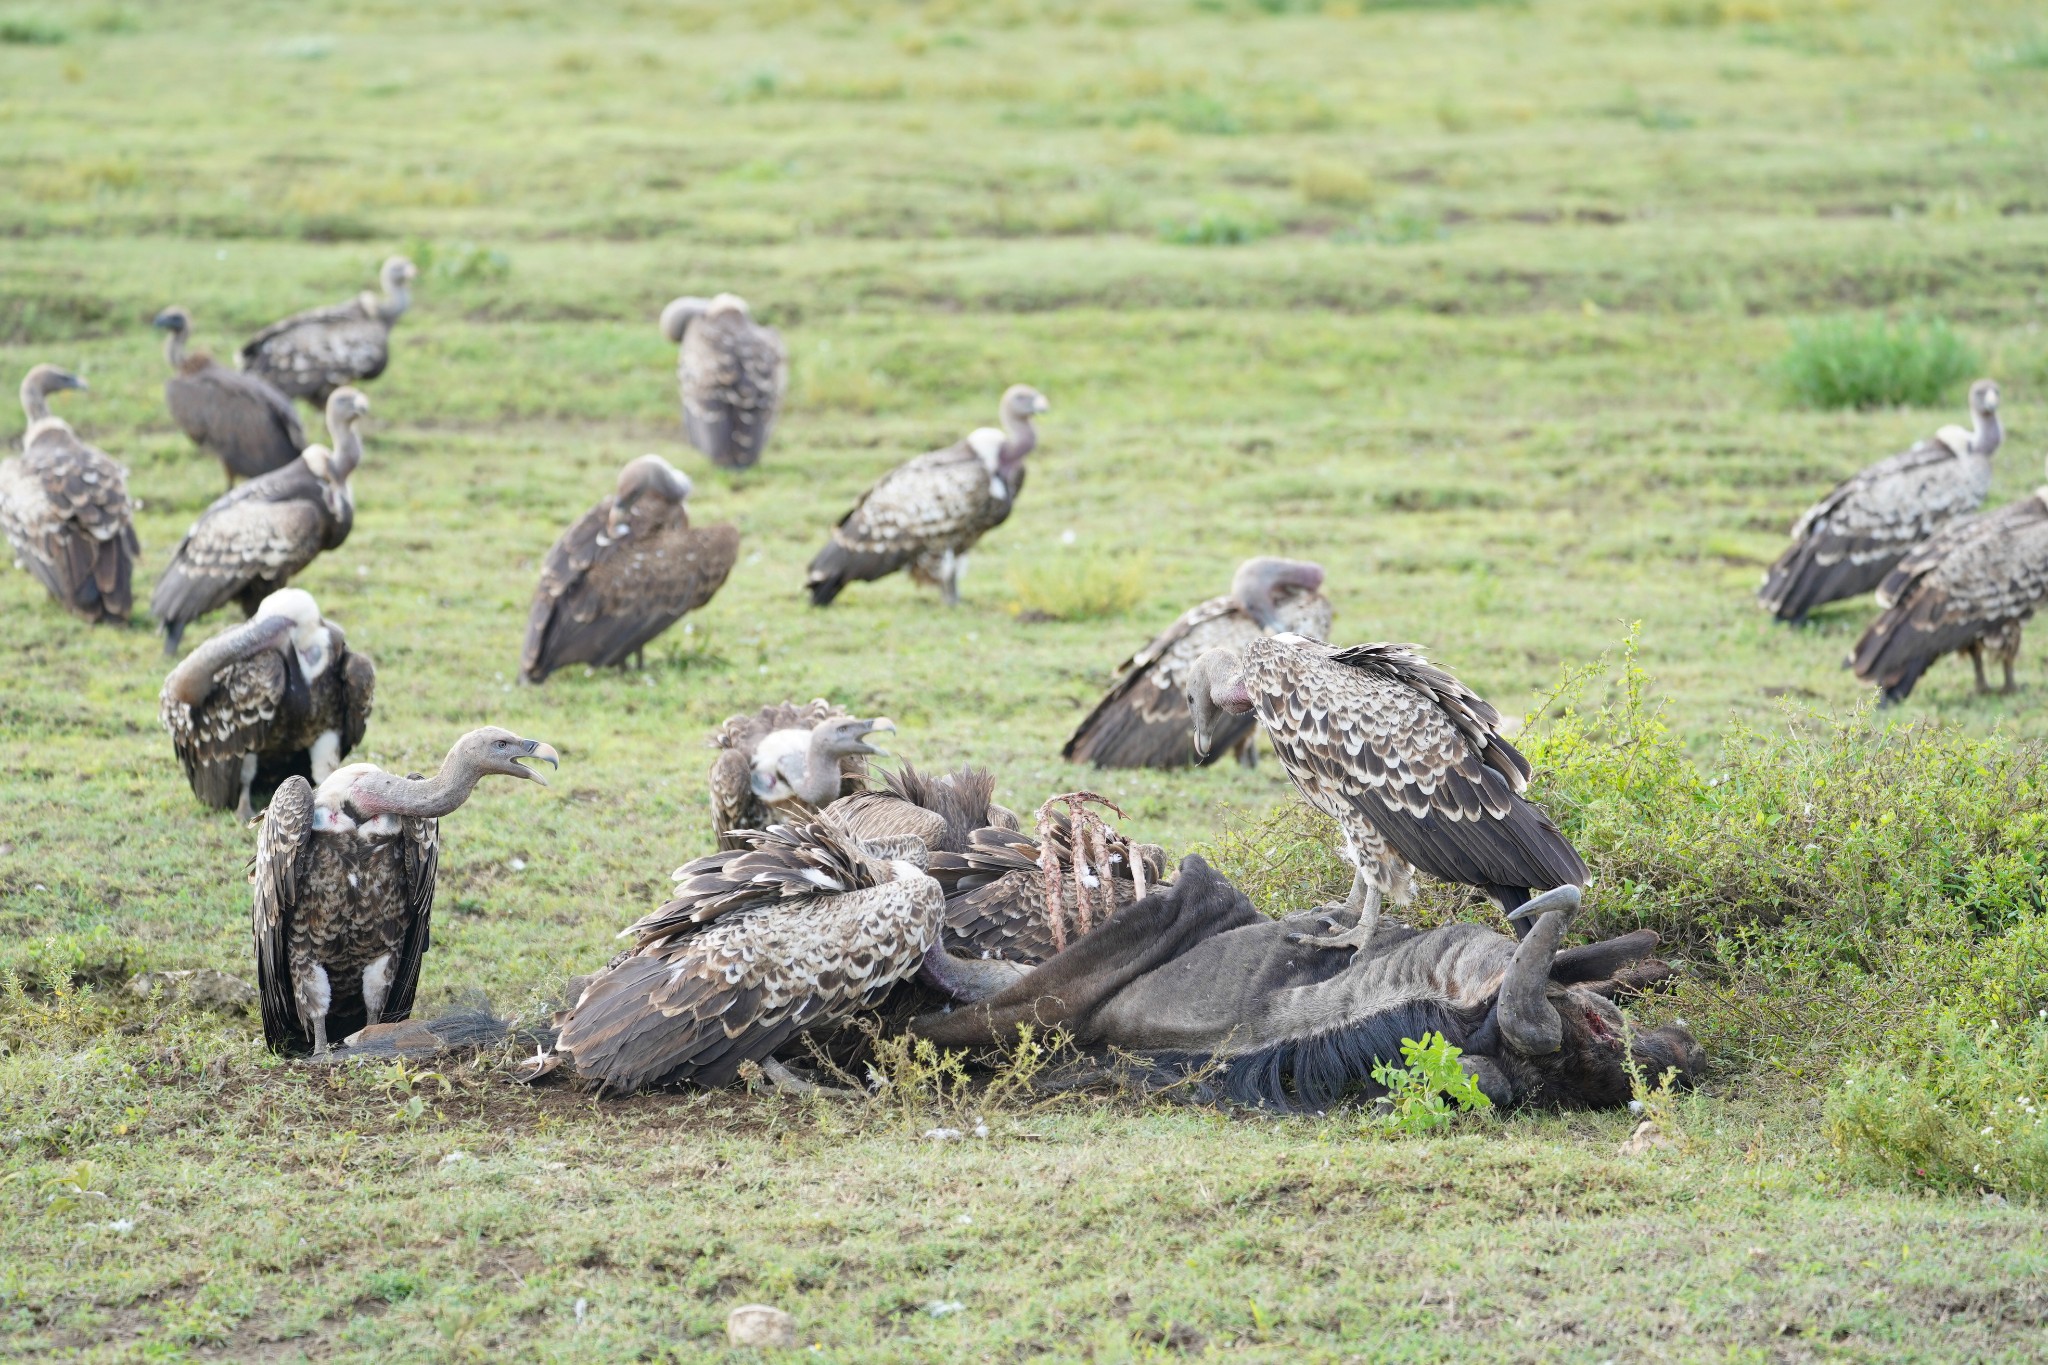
(1971, 587)
(1143, 721)
(1409, 763)
(253, 538)
(732, 372)
(1848, 541)
(282, 687)
(344, 887)
(65, 509)
(233, 415)
(309, 355)
(927, 513)
(786, 760)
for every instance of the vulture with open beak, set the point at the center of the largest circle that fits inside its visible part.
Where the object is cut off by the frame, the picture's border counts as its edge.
(251, 541)
(65, 510)
(1409, 762)
(344, 887)
(785, 761)
(732, 372)
(629, 568)
(282, 688)
(927, 513)
(311, 354)
(1142, 722)
(233, 415)
(1847, 542)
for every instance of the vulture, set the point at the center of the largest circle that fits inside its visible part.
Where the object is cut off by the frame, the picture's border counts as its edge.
(65, 508)
(731, 371)
(927, 513)
(309, 355)
(1971, 587)
(283, 687)
(629, 568)
(1847, 542)
(1142, 722)
(344, 887)
(253, 538)
(1409, 763)
(786, 759)
(233, 415)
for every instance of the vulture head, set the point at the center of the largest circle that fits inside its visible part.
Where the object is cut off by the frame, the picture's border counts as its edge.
(39, 383)
(680, 313)
(176, 320)
(1021, 403)
(727, 306)
(397, 273)
(812, 774)
(1215, 686)
(648, 476)
(1984, 398)
(311, 640)
(1260, 583)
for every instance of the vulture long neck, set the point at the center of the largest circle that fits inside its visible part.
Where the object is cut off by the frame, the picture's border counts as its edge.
(397, 298)
(174, 348)
(821, 773)
(1989, 433)
(385, 794)
(1018, 439)
(34, 402)
(348, 449)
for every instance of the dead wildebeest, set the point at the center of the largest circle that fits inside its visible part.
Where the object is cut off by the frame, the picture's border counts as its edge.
(1193, 977)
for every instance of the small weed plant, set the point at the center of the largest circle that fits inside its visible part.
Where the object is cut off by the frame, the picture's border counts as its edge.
(1429, 1090)
(1850, 362)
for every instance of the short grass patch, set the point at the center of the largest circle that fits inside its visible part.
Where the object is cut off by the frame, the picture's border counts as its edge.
(1849, 362)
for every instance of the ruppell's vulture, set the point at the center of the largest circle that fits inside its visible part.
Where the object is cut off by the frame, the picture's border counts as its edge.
(1408, 761)
(927, 513)
(309, 355)
(784, 761)
(1971, 587)
(283, 688)
(233, 415)
(253, 538)
(732, 372)
(1848, 541)
(344, 887)
(1142, 722)
(629, 568)
(940, 812)
(65, 509)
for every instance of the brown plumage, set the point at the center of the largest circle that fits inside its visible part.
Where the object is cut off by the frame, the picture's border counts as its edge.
(252, 539)
(731, 372)
(311, 354)
(344, 888)
(1848, 541)
(282, 690)
(998, 904)
(629, 568)
(1142, 722)
(65, 510)
(786, 761)
(940, 812)
(236, 417)
(928, 513)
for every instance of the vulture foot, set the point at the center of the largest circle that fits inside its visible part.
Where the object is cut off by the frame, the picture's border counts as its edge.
(1365, 900)
(789, 1083)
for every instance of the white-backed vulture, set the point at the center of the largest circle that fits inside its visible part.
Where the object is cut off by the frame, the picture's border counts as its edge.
(626, 571)
(1408, 761)
(65, 510)
(237, 417)
(1971, 588)
(1142, 722)
(283, 688)
(311, 354)
(784, 761)
(252, 539)
(344, 887)
(927, 513)
(731, 372)
(1848, 541)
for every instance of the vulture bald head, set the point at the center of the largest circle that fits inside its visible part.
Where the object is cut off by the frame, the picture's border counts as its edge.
(1021, 403)
(39, 383)
(680, 313)
(812, 774)
(489, 751)
(1259, 583)
(650, 476)
(493, 749)
(1216, 687)
(397, 273)
(176, 320)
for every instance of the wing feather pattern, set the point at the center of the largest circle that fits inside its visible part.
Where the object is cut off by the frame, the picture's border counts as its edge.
(275, 876)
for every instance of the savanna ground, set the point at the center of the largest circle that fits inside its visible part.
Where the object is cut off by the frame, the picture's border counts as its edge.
(1474, 304)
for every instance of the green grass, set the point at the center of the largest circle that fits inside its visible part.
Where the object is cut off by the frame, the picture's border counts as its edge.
(1855, 363)
(1524, 403)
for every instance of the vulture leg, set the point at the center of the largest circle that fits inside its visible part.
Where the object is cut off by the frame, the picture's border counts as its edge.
(950, 569)
(376, 989)
(1365, 899)
(2010, 686)
(1976, 653)
(315, 996)
(789, 1083)
(245, 809)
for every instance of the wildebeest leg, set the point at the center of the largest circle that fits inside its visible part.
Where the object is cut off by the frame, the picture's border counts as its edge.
(376, 989)
(1976, 653)
(314, 996)
(968, 979)
(1365, 900)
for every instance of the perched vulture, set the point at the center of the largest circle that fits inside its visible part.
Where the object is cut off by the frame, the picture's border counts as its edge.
(344, 887)
(629, 568)
(731, 371)
(1971, 587)
(1143, 720)
(233, 415)
(65, 509)
(283, 687)
(1410, 764)
(927, 513)
(1848, 541)
(309, 355)
(786, 760)
(253, 538)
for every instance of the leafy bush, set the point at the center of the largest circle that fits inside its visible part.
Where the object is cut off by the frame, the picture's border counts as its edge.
(1848, 362)
(1078, 585)
(459, 262)
(25, 30)
(1428, 1092)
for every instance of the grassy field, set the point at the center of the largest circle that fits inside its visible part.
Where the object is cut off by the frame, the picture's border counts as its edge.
(1474, 304)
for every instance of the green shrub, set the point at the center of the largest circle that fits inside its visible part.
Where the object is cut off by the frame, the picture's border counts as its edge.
(24, 30)
(1430, 1091)
(1848, 362)
(1078, 585)
(1216, 227)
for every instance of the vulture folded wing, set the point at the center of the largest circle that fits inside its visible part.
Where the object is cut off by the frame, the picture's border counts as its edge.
(781, 862)
(234, 719)
(65, 511)
(635, 591)
(420, 847)
(240, 416)
(234, 543)
(280, 846)
(733, 806)
(885, 815)
(1143, 721)
(926, 505)
(358, 694)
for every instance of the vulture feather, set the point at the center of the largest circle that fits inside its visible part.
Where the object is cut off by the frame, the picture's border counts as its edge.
(786, 761)
(311, 354)
(940, 812)
(65, 510)
(234, 415)
(998, 904)
(731, 371)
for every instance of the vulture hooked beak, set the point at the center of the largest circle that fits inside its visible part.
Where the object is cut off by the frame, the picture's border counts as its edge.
(1215, 685)
(879, 723)
(540, 753)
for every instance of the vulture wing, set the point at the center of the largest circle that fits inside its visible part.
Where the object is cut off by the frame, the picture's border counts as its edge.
(235, 542)
(65, 511)
(358, 693)
(600, 599)
(937, 502)
(281, 847)
(733, 374)
(235, 718)
(778, 863)
(941, 813)
(1143, 722)
(420, 853)
(238, 416)
(310, 354)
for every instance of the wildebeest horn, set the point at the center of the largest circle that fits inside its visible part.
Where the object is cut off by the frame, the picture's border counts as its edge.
(1528, 1021)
